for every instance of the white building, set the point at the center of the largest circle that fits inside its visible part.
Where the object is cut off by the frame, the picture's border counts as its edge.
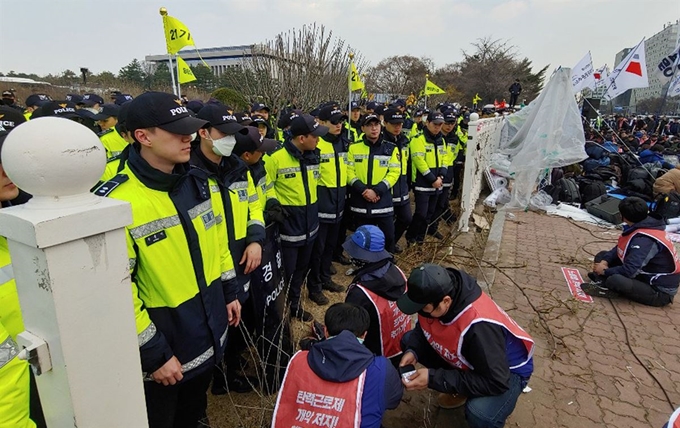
(218, 59)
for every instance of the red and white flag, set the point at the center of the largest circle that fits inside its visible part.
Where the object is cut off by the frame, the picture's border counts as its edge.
(601, 76)
(630, 74)
(582, 75)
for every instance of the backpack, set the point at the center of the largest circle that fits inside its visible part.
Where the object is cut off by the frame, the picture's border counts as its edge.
(591, 188)
(667, 205)
(564, 190)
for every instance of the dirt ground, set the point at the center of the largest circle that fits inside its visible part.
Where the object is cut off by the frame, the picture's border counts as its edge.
(254, 410)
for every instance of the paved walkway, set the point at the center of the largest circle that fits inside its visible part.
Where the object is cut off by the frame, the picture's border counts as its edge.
(587, 375)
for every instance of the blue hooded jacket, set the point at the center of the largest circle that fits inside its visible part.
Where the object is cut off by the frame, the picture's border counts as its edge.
(342, 358)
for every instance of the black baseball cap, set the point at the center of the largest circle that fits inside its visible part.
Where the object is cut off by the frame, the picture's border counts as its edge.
(380, 110)
(10, 118)
(195, 105)
(354, 105)
(64, 109)
(162, 110)
(7, 94)
(218, 117)
(244, 118)
(393, 116)
(258, 120)
(370, 118)
(121, 99)
(398, 103)
(74, 98)
(427, 283)
(286, 117)
(371, 105)
(258, 107)
(435, 117)
(306, 124)
(250, 140)
(108, 110)
(450, 117)
(332, 114)
(36, 100)
(91, 99)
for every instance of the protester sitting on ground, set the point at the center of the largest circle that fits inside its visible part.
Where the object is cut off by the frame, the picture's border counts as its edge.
(643, 266)
(654, 154)
(474, 353)
(669, 182)
(358, 385)
(376, 286)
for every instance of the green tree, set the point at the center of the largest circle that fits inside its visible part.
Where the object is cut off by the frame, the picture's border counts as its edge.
(205, 79)
(161, 78)
(232, 98)
(133, 73)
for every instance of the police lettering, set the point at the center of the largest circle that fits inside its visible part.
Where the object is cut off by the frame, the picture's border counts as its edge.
(64, 110)
(228, 117)
(274, 294)
(179, 110)
(7, 123)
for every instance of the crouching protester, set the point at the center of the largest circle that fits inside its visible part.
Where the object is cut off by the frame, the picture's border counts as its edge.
(338, 382)
(376, 286)
(474, 353)
(643, 266)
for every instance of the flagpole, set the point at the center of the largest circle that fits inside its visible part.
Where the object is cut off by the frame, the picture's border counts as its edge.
(349, 99)
(179, 90)
(164, 13)
(427, 76)
(611, 83)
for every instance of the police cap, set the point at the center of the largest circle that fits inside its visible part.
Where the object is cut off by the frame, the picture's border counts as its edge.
(162, 110)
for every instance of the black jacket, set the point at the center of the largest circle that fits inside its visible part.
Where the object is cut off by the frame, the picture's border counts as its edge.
(515, 88)
(400, 190)
(384, 279)
(484, 347)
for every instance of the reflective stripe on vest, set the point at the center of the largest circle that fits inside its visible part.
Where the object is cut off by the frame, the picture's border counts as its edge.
(307, 401)
(659, 236)
(298, 238)
(447, 339)
(393, 323)
(6, 274)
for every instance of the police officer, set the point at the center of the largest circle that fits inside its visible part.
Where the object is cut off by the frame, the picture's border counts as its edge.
(332, 191)
(33, 103)
(183, 280)
(10, 100)
(459, 163)
(452, 146)
(107, 119)
(354, 124)
(20, 403)
(245, 231)
(263, 111)
(392, 133)
(428, 152)
(373, 169)
(294, 175)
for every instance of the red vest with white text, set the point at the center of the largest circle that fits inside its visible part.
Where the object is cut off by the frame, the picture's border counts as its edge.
(658, 235)
(447, 339)
(305, 400)
(393, 323)
(674, 421)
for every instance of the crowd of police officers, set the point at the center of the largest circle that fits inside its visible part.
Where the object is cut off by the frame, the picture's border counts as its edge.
(205, 183)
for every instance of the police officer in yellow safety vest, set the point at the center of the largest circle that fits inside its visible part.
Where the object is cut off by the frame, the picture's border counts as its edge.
(19, 403)
(107, 119)
(428, 154)
(443, 210)
(373, 169)
(394, 121)
(294, 175)
(354, 124)
(184, 284)
(332, 191)
(33, 103)
(459, 162)
(116, 163)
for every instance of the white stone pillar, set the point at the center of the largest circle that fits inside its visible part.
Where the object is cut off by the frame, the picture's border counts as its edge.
(71, 268)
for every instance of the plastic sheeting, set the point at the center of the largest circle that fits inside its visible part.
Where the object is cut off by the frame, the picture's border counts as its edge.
(548, 133)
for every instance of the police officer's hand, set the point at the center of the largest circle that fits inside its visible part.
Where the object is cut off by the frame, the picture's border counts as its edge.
(234, 312)
(170, 373)
(275, 213)
(252, 257)
(418, 381)
(437, 183)
(370, 195)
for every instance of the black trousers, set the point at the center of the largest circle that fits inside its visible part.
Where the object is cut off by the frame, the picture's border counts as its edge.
(634, 289)
(386, 224)
(426, 202)
(402, 220)
(237, 342)
(458, 169)
(322, 256)
(442, 211)
(177, 406)
(513, 99)
(296, 266)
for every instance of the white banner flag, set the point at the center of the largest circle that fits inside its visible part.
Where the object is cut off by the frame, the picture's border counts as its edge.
(630, 74)
(674, 88)
(670, 64)
(583, 74)
(601, 76)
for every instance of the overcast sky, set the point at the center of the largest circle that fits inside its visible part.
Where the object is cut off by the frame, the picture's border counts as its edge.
(49, 36)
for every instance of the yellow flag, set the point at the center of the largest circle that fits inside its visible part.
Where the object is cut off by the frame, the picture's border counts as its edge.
(476, 99)
(355, 82)
(177, 35)
(432, 89)
(185, 74)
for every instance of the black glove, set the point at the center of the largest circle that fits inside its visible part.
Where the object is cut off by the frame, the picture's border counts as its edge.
(275, 213)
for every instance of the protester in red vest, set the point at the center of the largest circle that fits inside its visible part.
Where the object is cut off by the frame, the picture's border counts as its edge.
(376, 286)
(474, 353)
(643, 266)
(338, 382)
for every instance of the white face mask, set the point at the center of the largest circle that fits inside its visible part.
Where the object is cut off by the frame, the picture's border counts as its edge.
(193, 136)
(223, 146)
